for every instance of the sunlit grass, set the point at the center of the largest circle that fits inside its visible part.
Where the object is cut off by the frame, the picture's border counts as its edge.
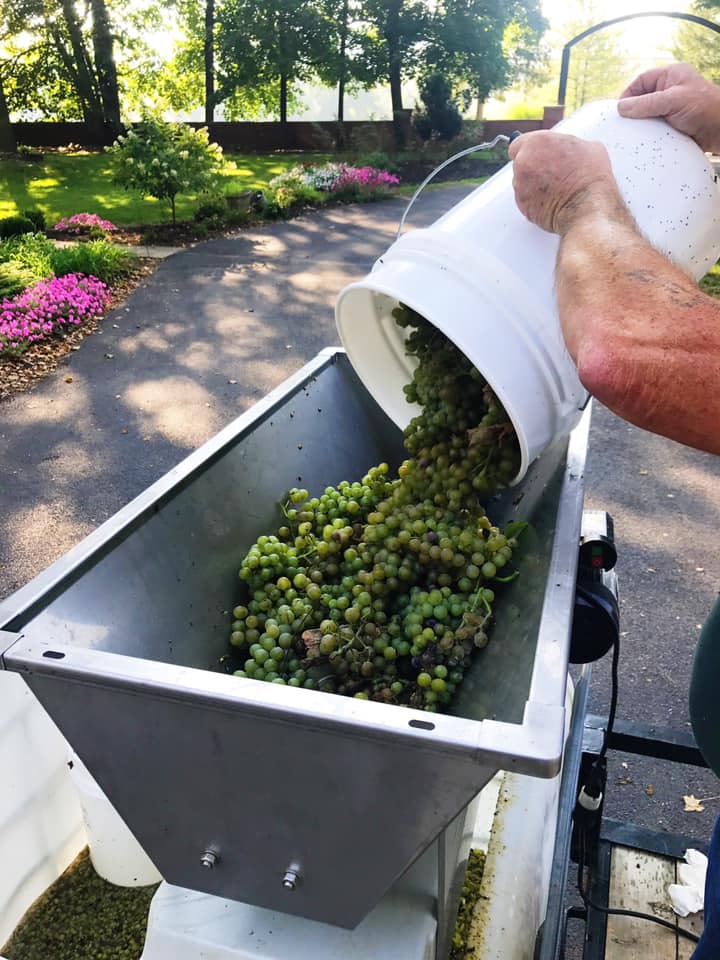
(63, 184)
(710, 283)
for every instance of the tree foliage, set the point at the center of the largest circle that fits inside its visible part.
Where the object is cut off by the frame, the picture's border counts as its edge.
(439, 116)
(268, 46)
(95, 59)
(597, 63)
(698, 45)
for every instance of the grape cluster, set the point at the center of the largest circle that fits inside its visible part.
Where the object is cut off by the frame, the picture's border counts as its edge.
(383, 588)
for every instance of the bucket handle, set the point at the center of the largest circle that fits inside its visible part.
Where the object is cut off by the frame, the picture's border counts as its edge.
(501, 138)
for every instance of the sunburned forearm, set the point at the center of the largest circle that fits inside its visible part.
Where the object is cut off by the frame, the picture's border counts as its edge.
(645, 339)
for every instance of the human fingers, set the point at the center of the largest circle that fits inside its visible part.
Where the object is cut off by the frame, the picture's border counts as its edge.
(647, 82)
(660, 103)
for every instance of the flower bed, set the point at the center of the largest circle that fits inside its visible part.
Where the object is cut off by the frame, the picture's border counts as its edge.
(335, 177)
(46, 306)
(84, 224)
(313, 185)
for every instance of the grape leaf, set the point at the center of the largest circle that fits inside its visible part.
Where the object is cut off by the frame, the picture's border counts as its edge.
(515, 528)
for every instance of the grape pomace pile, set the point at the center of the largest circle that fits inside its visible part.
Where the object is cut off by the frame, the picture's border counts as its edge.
(383, 588)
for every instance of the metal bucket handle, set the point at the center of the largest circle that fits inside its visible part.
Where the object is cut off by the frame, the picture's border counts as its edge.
(501, 138)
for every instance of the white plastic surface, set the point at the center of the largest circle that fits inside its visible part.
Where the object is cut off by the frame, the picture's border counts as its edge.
(115, 853)
(41, 826)
(516, 881)
(484, 276)
(184, 925)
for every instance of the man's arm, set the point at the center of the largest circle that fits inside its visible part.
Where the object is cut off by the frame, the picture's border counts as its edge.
(645, 339)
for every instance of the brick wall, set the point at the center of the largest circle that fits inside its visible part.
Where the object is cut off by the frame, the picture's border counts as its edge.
(251, 137)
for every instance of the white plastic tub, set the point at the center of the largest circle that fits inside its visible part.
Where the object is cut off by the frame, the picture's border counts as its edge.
(115, 853)
(484, 276)
(41, 824)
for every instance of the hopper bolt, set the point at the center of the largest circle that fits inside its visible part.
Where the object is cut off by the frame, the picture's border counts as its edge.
(209, 859)
(291, 878)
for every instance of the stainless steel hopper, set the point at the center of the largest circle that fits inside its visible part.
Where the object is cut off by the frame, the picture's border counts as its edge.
(300, 801)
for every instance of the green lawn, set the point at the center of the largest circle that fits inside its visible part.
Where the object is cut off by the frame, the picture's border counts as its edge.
(64, 184)
(711, 281)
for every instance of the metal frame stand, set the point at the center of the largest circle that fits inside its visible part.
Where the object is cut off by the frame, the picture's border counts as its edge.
(583, 745)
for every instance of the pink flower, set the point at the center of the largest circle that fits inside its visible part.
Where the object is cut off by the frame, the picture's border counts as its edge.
(83, 223)
(47, 306)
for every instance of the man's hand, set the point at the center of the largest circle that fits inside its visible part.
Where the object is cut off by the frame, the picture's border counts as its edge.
(558, 178)
(679, 94)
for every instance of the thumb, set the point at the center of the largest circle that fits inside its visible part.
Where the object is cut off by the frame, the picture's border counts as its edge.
(657, 104)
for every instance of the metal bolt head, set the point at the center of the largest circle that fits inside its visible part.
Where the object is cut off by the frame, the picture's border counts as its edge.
(209, 859)
(291, 879)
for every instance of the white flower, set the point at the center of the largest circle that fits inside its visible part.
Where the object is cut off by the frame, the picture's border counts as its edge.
(141, 166)
(185, 183)
(129, 160)
(184, 154)
(155, 162)
(173, 173)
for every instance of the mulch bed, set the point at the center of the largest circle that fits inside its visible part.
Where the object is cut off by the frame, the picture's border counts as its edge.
(21, 373)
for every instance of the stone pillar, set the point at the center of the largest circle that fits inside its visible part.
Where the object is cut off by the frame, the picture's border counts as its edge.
(551, 116)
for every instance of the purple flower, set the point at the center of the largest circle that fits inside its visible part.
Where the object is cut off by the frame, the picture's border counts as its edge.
(83, 223)
(364, 177)
(48, 306)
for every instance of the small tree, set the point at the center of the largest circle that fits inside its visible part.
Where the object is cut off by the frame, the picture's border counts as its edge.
(162, 160)
(440, 116)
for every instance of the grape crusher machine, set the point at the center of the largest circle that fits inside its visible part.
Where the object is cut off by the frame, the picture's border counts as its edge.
(296, 801)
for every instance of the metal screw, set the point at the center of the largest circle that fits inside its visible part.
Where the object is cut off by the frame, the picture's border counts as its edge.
(209, 859)
(291, 878)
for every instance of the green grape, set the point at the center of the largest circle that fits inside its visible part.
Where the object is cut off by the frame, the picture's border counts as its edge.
(376, 589)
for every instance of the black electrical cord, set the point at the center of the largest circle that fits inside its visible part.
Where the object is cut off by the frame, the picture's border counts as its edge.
(616, 911)
(613, 696)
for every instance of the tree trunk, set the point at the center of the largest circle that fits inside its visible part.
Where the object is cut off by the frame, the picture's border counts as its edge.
(283, 97)
(479, 109)
(392, 38)
(105, 66)
(7, 136)
(209, 52)
(83, 79)
(342, 62)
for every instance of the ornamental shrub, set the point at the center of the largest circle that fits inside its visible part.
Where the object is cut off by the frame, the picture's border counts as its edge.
(96, 258)
(85, 224)
(32, 251)
(36, 218)
(439, 116)
(163, 160)
(47, 308)
(15, 226)
(286, 198)
(211, 208)
(14, 278)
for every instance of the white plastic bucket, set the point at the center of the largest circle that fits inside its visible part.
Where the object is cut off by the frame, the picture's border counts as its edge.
(484, 276)
(115, 853)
